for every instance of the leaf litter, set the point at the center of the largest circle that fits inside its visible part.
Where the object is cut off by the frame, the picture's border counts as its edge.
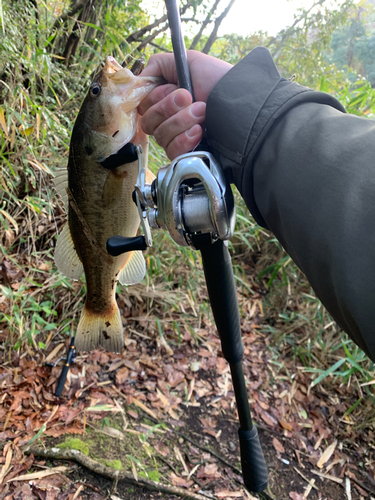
(156, 395)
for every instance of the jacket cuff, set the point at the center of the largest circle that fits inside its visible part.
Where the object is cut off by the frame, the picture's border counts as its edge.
(242, 108)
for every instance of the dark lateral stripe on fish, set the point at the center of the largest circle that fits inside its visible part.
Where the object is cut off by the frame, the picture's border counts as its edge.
(127, 154)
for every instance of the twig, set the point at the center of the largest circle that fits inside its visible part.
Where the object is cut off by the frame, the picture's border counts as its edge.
(361, 485)
(328, 476)
(310, 483)
(309, 488)
(203, 448)
(103, 470)
(160, 47)
(208, 450)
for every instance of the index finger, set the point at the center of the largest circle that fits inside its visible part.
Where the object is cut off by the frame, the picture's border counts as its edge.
(162, 65)
(155, 96)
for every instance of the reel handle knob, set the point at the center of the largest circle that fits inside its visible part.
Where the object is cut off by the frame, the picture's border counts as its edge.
(116, 245)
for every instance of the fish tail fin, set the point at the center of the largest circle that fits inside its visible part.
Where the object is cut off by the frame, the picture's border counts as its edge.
(100, 329)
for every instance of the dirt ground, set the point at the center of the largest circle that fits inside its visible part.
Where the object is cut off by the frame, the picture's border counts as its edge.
(164, 410)
(288, 472)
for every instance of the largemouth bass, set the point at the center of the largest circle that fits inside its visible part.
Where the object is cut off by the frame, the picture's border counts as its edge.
(99, 201)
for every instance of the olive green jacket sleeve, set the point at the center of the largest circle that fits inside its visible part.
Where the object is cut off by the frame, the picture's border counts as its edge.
(306, 170)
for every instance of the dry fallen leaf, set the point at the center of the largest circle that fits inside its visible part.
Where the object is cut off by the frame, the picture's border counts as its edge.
(285, 424)
(327, 454)
(144, 408)
(180, 481)
(295, 496)
(229, 494)
(6, 466)
(278, 446)
(268, 418)
(40, 474)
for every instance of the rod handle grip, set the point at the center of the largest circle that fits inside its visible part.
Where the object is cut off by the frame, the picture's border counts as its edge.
(218, 270)
(254, 468)
(62, 379)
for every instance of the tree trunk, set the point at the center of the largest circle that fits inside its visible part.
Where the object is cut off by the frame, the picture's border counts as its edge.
(218, 21)
(75, 36)
(64, 17)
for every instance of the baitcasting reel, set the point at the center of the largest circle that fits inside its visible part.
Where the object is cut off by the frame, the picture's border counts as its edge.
(190, 198)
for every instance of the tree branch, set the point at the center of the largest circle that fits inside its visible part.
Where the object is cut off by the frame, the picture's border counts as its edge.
(204, 24)
(218, 21)
(110, 472)
(290, 30)
(151, 37)
(163, 49)
(134, 37)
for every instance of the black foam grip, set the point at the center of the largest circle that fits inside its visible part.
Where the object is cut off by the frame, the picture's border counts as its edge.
(221, 288)
(61, 382)
(254, 468)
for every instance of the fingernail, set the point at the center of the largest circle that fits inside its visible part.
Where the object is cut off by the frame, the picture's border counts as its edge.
(194, 131)
(198, 109)
(181, 99)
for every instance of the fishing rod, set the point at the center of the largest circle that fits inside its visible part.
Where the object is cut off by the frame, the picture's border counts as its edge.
(192, 199)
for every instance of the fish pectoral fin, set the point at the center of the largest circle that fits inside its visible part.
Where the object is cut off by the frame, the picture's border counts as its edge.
(112, 190)
(66, 257)
(100, 329)
(134, 270)
(61, 183)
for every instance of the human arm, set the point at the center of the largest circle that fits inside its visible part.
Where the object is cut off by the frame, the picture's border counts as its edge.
(306, 171)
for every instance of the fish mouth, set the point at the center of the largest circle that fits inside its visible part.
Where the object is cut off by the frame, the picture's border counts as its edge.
(111, 66)
(114, 71)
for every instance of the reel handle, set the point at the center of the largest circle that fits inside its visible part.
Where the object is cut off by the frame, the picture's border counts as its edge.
(116, 245)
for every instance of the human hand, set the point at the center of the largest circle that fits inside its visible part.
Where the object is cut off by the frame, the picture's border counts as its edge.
(168, 112)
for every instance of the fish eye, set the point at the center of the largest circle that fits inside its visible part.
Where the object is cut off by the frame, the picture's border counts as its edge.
(95, 90)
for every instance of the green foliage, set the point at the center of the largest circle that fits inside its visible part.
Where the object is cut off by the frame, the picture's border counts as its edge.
(29, 315)
(352, 46)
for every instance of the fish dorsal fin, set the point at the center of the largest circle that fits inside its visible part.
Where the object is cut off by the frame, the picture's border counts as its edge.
(134, 269)
(61, 183)
(66, 257)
